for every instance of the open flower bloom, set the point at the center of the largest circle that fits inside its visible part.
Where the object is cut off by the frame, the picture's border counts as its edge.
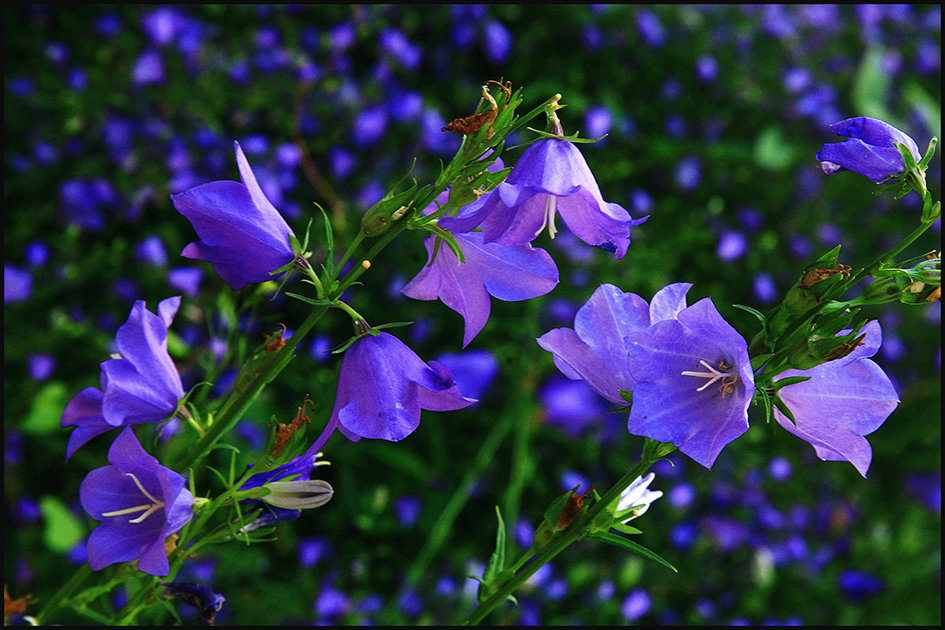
(868, 149)
(383, 385)
(844, 400)
(637, 495)
(595, 351)
(551, 177)
(240, 231)
(139, 502)
(694, 380)
(141, 386)
(507, 272)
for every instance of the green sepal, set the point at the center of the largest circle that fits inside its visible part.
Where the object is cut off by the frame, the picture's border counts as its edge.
(629, 545)
(783, 408)
(758, 361)
(791, 380)
(312, 301)
(626, 529)
(544, 135)
(761, 392)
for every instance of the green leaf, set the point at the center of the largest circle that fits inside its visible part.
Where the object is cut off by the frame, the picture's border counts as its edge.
(773, 151)
(46, 410)
(62, 529)
(497, 560)
(629, 545)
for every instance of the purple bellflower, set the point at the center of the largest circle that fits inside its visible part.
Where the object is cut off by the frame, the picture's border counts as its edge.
(141, 385)
(844, 400)
(139, 502)
(507, 272)
(594, 351)
(240, 231)
(868, 149)
(550, 177)
(694, 379)
(383, 385)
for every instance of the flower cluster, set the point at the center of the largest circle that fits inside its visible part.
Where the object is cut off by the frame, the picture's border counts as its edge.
(692, 382)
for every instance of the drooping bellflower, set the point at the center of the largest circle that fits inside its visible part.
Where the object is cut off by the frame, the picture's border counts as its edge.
(844, 400)
(141, 385)
(383, 385)
(867, 150)
(694, 380)
(507, 272)
(140, 503)
(551, 177)
(240, 231)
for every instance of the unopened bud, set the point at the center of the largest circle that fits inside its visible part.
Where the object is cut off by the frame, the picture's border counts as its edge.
(298, 495)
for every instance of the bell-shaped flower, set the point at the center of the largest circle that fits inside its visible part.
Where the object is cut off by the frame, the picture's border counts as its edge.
(694, 380)
(551, 177)
(867, 150)
(142, 385)
(240, 231)
(383, 385)
(844, 400)
(594, 351)
(140, 503)
(507, 272)
(637, 497)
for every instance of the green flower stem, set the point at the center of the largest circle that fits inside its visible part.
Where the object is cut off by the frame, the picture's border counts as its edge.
(238, 402)
(862, 273)
(444, 523)
(65, 592)
(353, 246)
(576, 531)
(916, 233)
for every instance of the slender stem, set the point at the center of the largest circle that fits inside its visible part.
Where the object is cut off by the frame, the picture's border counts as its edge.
(353, 246)
(916, 233)
(64, 592)
(444, 523)
(574, 532)
(239, 402)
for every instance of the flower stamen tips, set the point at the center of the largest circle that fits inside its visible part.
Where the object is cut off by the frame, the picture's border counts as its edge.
(728, 379)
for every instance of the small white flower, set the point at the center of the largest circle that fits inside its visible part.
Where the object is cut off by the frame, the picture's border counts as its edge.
(637, 496)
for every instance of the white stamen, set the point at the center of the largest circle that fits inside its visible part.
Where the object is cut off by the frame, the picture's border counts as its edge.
(713, 375)
(551, 206)
(149, 508)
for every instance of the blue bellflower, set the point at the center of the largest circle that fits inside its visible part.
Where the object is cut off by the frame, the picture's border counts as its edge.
(307, 492)
(140, 504)
(868, 149)
(551, 177)
(240, 231)
(844, 400)
(694, 379)
(142, 385)
(507, 272)
(383, 385)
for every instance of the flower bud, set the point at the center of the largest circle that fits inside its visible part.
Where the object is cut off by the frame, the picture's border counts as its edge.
(298, 495)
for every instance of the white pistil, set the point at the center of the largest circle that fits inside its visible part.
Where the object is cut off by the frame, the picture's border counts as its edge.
(551, 206)
(148, 508)
(713, 375)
